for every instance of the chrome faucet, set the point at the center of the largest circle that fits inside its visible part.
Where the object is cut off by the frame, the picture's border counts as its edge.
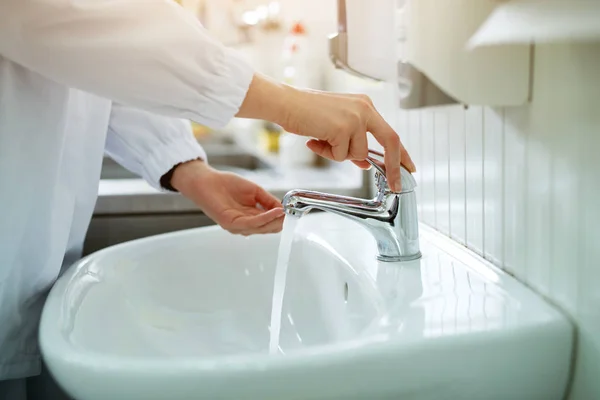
(390, 217)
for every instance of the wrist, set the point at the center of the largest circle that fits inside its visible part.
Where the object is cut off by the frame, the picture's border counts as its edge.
(185, 173)
(269, 100)
(290, 104)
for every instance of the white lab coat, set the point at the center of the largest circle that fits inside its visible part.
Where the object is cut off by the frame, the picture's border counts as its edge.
(54, 54)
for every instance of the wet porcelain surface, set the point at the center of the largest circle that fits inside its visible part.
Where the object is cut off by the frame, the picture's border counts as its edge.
(186, 315)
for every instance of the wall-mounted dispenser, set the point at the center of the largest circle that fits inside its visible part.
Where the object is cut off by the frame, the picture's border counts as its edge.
(416, 90)
(422, 45)
(363, 45)
(366, 45)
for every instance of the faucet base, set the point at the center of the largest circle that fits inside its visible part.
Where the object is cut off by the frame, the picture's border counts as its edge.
(399, 258)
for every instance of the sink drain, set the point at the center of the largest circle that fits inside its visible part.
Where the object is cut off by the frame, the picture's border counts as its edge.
(346, 292)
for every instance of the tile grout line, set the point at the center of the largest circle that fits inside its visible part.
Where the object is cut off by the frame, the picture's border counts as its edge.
(464, 132)
(503, 196)
(421, 158)
(449, 176)
(552, 220)
(524, 199)
(483, 182)
(435, 221)
(582, 237)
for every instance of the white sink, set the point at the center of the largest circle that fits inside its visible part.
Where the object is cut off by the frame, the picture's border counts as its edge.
(186, 316)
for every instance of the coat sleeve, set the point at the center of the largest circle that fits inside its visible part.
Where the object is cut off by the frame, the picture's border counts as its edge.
(149, 54)
(148, 144)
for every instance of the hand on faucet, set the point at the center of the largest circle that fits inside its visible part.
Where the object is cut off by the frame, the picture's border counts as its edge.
(336, 123)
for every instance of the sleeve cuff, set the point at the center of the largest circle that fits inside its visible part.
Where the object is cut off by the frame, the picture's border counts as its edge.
(233, 84)
(164, 157)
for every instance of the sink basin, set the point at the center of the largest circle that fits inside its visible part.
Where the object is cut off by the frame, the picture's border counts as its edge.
(186, 316)
(230, 160)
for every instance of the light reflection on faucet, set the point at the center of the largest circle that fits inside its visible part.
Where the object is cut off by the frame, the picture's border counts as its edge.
(390, 217)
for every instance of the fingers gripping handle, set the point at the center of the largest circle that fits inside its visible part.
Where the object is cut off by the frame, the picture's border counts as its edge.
(375, 159)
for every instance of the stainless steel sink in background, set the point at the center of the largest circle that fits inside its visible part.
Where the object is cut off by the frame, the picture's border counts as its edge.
(222, 151)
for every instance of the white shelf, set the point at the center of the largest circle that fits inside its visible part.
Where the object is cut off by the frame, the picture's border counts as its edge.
(540, 21)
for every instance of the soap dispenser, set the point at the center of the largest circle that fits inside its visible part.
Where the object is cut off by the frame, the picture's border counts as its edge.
(364, 43)
(368, 45)
(416, 90)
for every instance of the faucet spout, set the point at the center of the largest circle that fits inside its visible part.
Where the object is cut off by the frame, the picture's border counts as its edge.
(390, 217)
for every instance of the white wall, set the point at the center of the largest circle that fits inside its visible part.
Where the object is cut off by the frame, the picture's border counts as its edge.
(521, 186)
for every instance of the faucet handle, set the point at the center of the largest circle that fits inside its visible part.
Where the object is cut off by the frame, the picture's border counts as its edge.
(380, 178)
(376, 163)
(408, 181)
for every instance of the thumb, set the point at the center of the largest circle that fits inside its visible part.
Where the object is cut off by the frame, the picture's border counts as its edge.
(362, 164)
(321, 148)
(255, 221)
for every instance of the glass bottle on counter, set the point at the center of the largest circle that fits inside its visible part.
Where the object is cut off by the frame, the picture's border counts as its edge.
(269, 137)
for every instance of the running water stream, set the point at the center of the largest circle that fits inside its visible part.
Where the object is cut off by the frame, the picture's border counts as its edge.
(283, 257)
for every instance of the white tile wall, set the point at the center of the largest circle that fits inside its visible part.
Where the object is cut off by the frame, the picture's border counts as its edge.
(427, 168)
(441, 171)
(473, 177)
(457, 174)
(521, 186)
(493, 156)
